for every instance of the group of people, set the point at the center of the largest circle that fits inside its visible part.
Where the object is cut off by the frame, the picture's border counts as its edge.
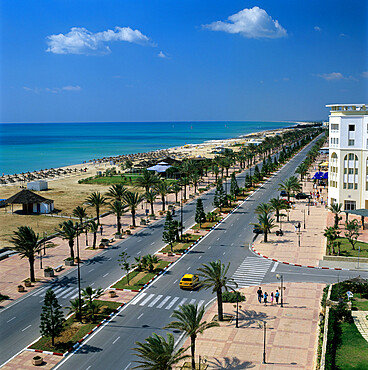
(268, 298)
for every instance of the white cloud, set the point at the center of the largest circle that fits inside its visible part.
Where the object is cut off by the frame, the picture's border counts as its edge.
(53, 90)
(161, 55)
(343, 35)
(365, 74)
(71, 88)
(318, 29)
(331, 76)
(81, 41)
(250, 23)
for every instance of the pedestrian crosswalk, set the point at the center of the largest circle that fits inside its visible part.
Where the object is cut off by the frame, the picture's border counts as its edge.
(64, 291)
(251, 271)
(159, 301)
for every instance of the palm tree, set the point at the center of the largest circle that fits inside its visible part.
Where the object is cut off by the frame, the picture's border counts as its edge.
(150, 197)
(214, 275)
(118, 209)
(96, 200)
(336, 209)
(278, 205)
(68, 231)
(175, 188)
(158, 354)
(216, 170)
(265, 223)
(195, 180)
(163, 188)
(302, 170)
(90, 294)
(264, 208)
(27, 243)
(74, 307)
(80, 213)
(149, 261)
(184, 181)
(116, 192)
(93, 227)
(289, 185)
(189, 321)
(132, 200)
(147, 180)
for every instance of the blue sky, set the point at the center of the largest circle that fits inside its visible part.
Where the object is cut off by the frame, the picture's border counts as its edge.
(180, 60)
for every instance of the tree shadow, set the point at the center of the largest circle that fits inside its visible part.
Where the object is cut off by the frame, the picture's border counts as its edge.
(88, 349)
(250, 317)
(228, 363)
(95, 260)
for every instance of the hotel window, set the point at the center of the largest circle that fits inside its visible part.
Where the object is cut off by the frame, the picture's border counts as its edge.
(349, 205)
(335, 127)
(351, 127)
(351, 142)
(366, 174)
(350, 176)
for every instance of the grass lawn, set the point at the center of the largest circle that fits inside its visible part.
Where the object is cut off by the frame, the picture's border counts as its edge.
(352, 353)
(138, 279)
(206, 225)
(181, 247)
(74, 331)
(127, 179)
(359, 303)
(346, 250)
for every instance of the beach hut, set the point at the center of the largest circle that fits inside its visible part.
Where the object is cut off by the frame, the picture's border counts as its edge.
(160, 167)
(31, 202)
(37, 185)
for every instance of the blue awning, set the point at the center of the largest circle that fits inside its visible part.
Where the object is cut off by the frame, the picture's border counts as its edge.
(318, 175)
(325, 176)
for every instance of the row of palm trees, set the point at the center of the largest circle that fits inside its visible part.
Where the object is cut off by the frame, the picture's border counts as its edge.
(276, 205)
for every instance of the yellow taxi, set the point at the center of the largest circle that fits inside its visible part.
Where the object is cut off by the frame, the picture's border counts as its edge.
(189, 281)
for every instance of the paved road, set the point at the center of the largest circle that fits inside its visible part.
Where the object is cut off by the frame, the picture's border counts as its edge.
(20, 321)
(111, 347)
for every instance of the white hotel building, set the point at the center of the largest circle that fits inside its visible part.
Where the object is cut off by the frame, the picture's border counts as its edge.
(348, 156)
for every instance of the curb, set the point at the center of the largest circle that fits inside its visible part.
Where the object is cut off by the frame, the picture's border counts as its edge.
(296, 264)
(77, 344)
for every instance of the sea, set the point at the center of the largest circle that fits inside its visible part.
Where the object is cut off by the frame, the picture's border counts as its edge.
(35, 146)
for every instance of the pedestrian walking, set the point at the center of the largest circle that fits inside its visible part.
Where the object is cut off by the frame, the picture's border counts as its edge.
(265, 296)
(260, 294)
(101, 229)
(277, 295)
(272, 298)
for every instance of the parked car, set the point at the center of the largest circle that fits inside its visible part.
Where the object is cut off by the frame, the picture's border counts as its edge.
(302, 196)
(283, 193)
(189, 281)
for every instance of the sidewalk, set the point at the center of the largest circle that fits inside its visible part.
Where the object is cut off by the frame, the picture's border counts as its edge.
(312, 243)
(291, 331)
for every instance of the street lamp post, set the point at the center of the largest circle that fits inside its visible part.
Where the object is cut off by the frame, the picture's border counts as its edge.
(44, 244)
(181, 214)
(304, 217)
(281, 278)
(40, 254)
(299, 233)
(86, 232)
(308, 206)
(264, 340)
(79, 280)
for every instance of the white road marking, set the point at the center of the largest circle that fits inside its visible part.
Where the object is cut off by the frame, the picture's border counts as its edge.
(146, 300)
(139, 240)
(189, 268)
(26, 327)
(192, 301)
(181, 303)
(139, 252)
(69, 293)
(109, 259)
(274, 267)
(232, 244)
(209, 247)
(106, 274)
(125, 249)
(223, 253)
(199, 257)
(200, 303)
(92, 284)
(11, 319)
(91, 270)
(155, 300)
(231, 224)
(88, 367)
(164, 301)
(218, 238)
(171, 303)
(64, 292)
(175, 281)
(139, 316)
(115, 340)
(138, 298)
(152, 243)
(127, 366)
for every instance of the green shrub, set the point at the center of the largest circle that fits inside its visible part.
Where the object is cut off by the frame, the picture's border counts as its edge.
(231, 297)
